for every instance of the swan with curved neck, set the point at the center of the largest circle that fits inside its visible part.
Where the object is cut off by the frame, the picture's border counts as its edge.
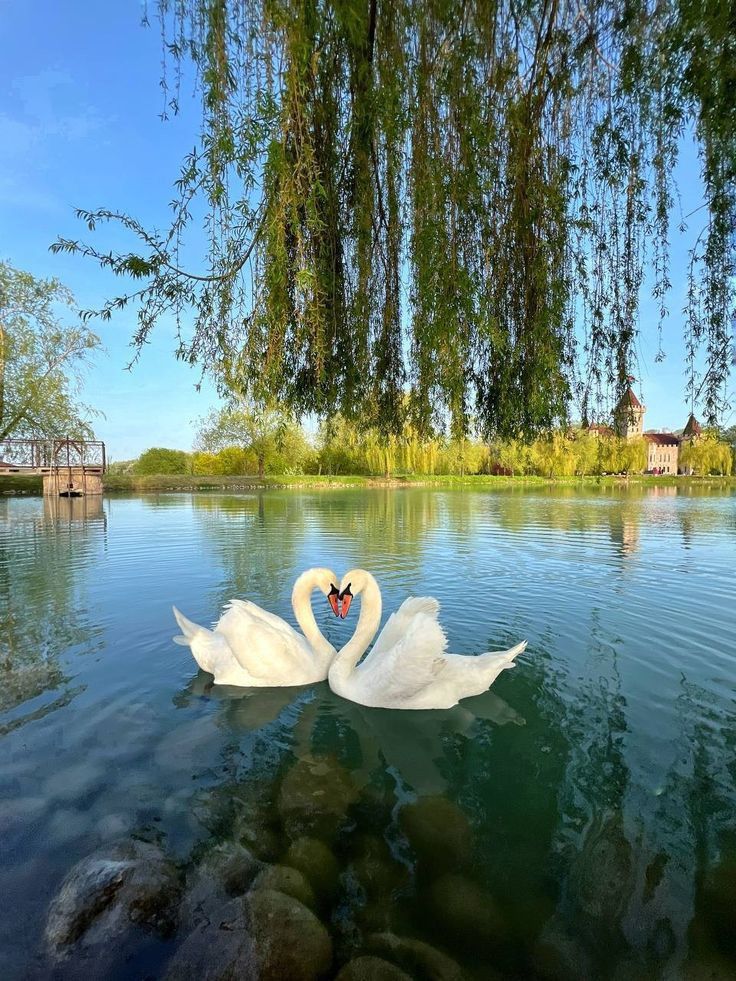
(251, 647)
(408, 667)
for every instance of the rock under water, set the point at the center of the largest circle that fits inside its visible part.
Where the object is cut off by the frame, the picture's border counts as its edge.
(314, 797)
(316, 861)
(439, 833)
(107, 899)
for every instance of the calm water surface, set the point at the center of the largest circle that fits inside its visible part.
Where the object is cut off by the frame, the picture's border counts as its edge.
(577, 821)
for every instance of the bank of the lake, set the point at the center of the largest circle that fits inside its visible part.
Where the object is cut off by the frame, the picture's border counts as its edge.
(156, 483)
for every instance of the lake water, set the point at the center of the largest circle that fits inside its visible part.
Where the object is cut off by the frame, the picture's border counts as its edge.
(579, 821)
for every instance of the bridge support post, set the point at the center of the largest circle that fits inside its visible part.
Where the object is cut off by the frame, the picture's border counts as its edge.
(71, 482)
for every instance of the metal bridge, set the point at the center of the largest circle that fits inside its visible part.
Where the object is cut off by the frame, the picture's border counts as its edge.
(70, 467)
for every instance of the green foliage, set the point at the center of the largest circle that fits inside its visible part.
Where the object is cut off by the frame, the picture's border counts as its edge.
(241, 436)
(343, 451)
(160, 460)
(118, 467)
(41, 359)
(568, 454)
(444, 196)
(707, 454)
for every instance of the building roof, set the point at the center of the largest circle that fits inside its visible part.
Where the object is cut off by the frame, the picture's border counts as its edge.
(662, 439)
(600, 429)
(629, 400)
(692, 427)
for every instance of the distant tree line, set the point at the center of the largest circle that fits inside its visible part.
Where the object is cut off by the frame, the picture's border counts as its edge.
(234, 442)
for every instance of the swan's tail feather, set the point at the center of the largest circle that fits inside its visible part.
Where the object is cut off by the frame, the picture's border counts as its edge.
(205, 644)
(189, 629)
(486, 668)
(506, 658)
(503, 660)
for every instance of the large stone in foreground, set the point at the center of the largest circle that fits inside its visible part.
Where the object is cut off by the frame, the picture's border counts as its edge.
(107, 899)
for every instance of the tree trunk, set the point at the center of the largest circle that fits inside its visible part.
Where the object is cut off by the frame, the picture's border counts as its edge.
(261, 467)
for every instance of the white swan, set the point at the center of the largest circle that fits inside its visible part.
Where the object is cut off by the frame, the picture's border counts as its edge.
(251, 647)
(408, 667)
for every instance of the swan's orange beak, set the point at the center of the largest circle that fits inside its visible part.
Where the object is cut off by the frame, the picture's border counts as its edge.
(346, 598)
(332, 598)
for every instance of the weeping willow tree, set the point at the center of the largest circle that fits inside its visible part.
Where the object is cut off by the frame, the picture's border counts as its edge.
(455, 199)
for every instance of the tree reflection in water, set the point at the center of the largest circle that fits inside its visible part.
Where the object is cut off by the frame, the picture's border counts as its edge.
(43, 609)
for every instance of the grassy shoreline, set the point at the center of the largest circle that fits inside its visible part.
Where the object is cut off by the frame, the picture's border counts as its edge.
(162, 483)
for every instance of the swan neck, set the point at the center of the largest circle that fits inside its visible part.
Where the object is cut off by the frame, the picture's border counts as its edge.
(368, 623)
(301, 603)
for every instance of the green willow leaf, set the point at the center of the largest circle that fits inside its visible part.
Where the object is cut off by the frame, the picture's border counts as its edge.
(440, 211)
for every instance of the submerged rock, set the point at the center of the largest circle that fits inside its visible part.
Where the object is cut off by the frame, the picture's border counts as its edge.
(371, 969)
(289, 881)
(380, 915)
(604, 876)
(290, 941)
(314, 797)
(439, 833)
(219, 948)
(314, 860)
(264, 936)
(222, 872)
(468, 914)
(253, 826)
(420, 960)
(107, 896)
(376, 869)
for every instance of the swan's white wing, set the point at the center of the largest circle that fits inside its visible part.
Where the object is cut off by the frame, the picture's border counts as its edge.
(266, 647)
(258, 611)
(398, 624)
(417, 660)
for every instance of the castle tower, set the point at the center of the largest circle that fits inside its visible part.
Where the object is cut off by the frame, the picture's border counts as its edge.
(628, 416)
(692, 429)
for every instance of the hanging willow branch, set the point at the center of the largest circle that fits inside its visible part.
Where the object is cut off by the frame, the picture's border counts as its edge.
(441, 208)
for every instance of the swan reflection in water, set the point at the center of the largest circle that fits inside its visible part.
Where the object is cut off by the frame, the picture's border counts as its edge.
(411, 744)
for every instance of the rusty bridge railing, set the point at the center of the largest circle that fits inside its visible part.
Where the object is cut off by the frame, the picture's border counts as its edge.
(42, 456)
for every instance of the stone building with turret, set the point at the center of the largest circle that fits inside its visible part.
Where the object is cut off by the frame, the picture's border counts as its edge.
(663, 448)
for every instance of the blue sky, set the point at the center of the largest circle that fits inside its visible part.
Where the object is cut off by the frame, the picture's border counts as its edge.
(80, 127)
